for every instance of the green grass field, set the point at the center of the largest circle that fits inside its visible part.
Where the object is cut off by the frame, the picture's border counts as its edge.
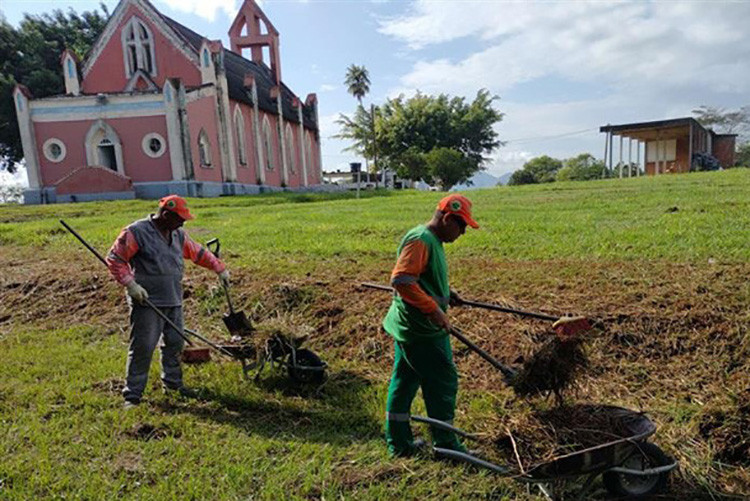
(661, 262)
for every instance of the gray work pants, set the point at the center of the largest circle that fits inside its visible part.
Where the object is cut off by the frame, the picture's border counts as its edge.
(146, 327)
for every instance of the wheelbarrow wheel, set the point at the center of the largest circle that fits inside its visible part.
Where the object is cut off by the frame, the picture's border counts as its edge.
(306, 360)
(637, 486)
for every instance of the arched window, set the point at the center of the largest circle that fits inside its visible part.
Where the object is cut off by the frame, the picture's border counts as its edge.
(138, 46)
(291, 157)
(204, 149)
(268, 143)
(239, 129)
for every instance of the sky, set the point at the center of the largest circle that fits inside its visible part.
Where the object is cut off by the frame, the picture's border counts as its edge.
(560, 69)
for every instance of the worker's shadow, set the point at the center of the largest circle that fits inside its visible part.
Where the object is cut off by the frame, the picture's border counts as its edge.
(335, 412)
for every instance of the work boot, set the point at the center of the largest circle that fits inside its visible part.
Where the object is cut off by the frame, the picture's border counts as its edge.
(182, 391)
(418, 447)
(131, 403)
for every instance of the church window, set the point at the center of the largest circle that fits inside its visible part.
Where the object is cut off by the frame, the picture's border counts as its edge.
(54, 150)
(71, 69)
(291, 157)
(239, 127)
(206, 59)
(153, 145)
(138, 45)
(204, 149)
(268, 143)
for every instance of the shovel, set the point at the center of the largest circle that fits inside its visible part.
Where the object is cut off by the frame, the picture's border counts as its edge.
(236, 321)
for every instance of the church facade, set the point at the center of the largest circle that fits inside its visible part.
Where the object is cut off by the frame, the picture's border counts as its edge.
(156, 108)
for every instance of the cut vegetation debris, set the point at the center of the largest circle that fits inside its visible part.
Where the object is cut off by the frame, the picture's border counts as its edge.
(552, 369)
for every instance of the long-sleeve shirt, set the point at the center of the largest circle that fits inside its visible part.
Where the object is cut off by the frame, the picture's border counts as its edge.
(126, 247)
(411, 263)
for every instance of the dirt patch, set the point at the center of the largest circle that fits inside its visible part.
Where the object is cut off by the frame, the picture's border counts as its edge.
(728, 431)
(147, 432)
(352, 475)
(111, 386)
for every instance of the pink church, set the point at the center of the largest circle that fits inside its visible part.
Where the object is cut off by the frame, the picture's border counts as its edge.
(157, 108)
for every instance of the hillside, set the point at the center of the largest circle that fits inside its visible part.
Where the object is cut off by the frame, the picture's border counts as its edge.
(660, 263)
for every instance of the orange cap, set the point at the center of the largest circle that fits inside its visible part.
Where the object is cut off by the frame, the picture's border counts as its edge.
(176, 204)
(458, 205)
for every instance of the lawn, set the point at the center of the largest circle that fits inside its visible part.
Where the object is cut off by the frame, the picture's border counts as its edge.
(661, 263)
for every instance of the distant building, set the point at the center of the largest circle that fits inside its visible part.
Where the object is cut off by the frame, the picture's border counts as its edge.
(156, 108)
(667, 146)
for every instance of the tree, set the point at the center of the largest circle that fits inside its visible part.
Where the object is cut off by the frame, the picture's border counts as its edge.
(406, 128)
(448, 167)
(743, 155)
(521, 176)
(537, 170)
(30, 55)
(357, 129)
(724, 121)
(357, 81)
(581, 168)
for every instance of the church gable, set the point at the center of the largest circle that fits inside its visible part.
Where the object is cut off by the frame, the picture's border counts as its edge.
(138, 46)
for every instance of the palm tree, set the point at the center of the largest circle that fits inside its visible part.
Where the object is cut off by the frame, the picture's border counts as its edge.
(357, 81)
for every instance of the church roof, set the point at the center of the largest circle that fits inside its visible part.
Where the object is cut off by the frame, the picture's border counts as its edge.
(237, 67)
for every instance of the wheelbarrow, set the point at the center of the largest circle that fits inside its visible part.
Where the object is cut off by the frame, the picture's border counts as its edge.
(302, 365)
(631, 467)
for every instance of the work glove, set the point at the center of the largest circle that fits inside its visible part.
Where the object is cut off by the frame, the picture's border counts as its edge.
(224, 278)
(439, 318)
(138, 293)
(455, 299)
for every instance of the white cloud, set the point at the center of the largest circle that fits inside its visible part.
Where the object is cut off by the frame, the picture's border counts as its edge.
(205, 9)
(328, 87)
(661, 44)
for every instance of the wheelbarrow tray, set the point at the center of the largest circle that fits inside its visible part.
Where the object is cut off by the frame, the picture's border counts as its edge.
(601, 457)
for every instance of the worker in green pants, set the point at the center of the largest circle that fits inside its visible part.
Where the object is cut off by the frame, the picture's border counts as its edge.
(419, 326)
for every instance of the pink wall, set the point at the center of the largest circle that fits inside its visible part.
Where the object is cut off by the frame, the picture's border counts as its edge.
(108, 72)
(93, 180)
(137, 165)
(313, 168)
(246, 174)
(202, 115)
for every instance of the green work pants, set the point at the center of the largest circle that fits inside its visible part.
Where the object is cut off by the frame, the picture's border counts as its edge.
(425, 363)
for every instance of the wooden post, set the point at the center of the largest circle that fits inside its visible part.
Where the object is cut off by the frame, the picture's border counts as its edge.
(657, 156)
(630, 157)
(638, 157)
(606, 148)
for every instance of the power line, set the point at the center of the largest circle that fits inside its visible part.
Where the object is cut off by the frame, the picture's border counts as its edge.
(546, 138)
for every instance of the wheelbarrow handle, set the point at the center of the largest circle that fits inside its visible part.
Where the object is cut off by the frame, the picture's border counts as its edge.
(468, 458)
(443, 426)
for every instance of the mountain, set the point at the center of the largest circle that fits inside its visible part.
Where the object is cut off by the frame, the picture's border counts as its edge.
(479, 180)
